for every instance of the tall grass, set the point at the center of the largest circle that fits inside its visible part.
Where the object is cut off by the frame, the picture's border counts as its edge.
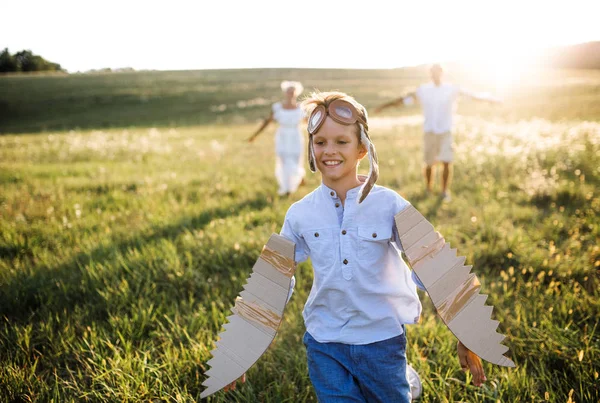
(122, 251)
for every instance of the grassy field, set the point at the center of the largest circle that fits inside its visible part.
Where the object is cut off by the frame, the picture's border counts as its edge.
(189, 98)
(131, 212)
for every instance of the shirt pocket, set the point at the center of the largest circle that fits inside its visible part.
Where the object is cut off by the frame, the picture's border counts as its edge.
(322, 246)
(373, 244)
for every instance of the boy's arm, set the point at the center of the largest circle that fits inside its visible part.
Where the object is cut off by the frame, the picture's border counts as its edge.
(301, 252)
(453, 290)
(292, 285)
(414, 276)
(257, 315)
(417, 281)
(470, 361)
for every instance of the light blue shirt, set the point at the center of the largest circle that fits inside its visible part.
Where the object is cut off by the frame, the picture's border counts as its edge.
(362, 290)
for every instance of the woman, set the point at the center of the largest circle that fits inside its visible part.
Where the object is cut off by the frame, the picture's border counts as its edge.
(289, 142)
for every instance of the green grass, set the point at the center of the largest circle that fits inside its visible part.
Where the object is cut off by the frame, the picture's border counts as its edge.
(122, 249)
(189, 98)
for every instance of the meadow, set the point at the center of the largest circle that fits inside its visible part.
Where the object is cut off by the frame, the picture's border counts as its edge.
(132, 210)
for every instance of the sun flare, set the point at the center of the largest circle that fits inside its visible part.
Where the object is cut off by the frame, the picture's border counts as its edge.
(501, 70)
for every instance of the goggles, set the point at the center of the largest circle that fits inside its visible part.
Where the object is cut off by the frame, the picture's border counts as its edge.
(339, 110)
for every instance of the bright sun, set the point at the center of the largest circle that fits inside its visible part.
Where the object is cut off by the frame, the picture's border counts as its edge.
(502, 70)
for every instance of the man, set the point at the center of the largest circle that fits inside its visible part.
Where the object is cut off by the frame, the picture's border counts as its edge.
(438, 101)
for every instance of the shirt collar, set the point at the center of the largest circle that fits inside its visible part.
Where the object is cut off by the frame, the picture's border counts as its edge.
(328, 192)
(351, 194)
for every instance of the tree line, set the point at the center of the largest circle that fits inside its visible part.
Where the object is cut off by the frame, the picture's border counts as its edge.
(25, 61)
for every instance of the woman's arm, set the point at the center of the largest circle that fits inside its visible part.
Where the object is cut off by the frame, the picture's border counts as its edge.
(265, 123)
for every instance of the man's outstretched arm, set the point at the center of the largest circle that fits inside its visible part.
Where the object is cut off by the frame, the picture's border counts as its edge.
(480, 96)
(407, 99)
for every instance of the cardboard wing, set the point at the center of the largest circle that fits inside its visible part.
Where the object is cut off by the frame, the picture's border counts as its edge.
(257, 314)
(451, 286)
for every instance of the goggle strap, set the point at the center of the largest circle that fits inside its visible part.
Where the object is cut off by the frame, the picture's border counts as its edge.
(373, 166)
(312, 161)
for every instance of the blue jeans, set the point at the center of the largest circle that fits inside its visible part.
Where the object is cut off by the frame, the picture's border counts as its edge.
(373, 372)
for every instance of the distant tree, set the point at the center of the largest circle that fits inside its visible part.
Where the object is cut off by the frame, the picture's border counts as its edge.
(7, 62)
(25, 61)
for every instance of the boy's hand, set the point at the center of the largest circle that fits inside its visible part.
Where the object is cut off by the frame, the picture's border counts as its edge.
(469, 360)
(231, 386)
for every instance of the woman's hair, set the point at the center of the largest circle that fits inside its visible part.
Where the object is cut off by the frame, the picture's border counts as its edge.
(292, 84)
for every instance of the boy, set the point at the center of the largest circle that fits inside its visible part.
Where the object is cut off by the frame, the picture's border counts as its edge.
(362, 293)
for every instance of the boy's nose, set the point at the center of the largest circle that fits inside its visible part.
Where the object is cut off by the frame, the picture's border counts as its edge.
(330, 150)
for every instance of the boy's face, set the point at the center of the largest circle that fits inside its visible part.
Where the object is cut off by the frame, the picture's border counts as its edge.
(337, 151)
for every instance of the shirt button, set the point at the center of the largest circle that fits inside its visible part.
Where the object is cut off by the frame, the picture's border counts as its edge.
(331, 193)
(316, 234)
(337, 204)
(345, 261)
(374, 234)
(343, 232)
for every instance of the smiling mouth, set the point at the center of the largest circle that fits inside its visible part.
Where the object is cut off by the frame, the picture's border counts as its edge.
(332, 163)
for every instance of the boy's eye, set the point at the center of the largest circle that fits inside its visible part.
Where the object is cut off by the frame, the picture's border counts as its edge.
(342, 142)
(320, 143)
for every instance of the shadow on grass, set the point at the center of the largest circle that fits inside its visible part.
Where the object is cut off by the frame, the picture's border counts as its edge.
(11, 252)
(62, 288)
(427, 204)
(570, 200)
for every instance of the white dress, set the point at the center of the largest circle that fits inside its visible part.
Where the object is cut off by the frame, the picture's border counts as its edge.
(289, 147)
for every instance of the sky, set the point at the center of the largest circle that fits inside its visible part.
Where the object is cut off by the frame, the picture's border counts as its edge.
(201, 34)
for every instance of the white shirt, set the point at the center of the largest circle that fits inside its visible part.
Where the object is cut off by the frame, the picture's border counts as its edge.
(362, 290)
(439, 103)
(289, 138)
